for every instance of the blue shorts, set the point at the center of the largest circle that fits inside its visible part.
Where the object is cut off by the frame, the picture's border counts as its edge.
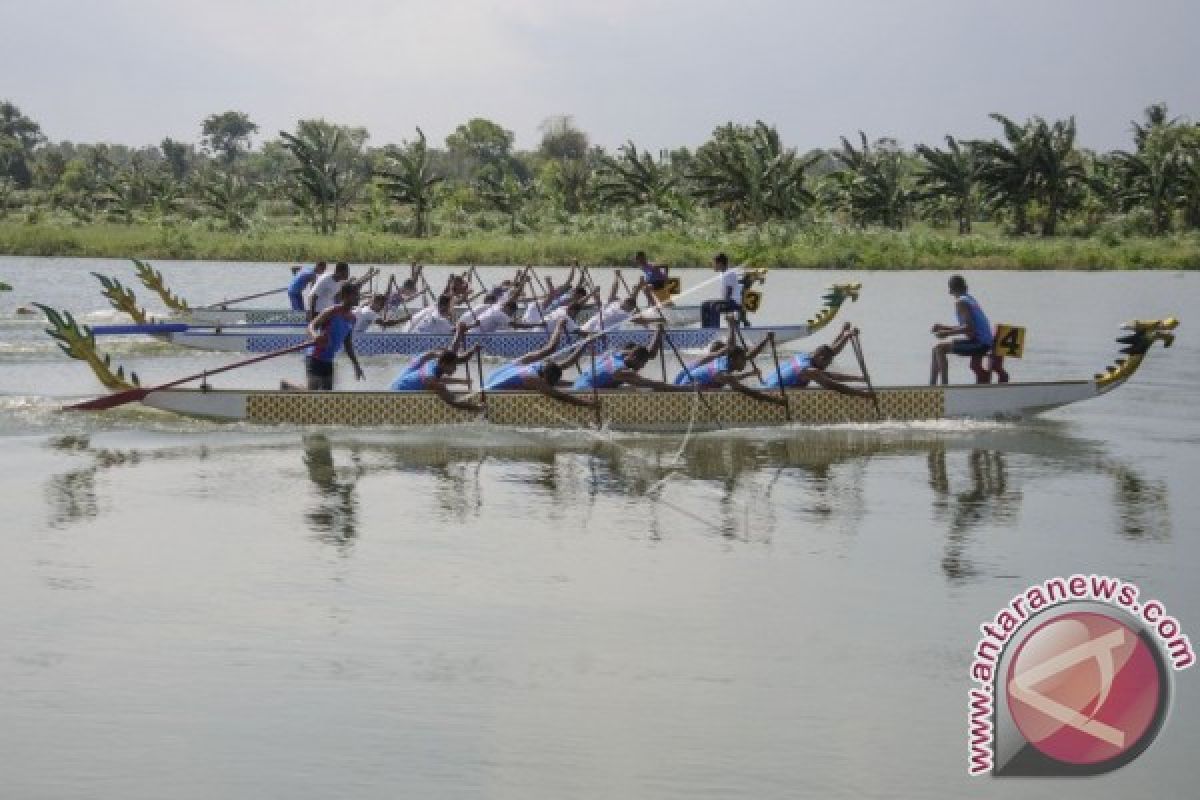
(969, 347)
(297, 301)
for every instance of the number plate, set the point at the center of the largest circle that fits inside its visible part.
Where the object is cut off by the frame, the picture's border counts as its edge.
(674, 285)
(1010, 341)
(751, 300)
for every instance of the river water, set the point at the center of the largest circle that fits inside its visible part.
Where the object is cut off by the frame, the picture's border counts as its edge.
(195, 610)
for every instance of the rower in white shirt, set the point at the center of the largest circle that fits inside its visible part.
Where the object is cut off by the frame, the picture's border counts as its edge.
(368, 314)
(617, 312)
(324, 290)
(432, 319)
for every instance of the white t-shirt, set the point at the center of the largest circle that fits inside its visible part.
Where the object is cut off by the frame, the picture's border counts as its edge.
(491, 319)
(428, 320)
(533, 313)
(614, 317)
(560, 314)
(324, 292)
(730, 279)
(364, 317)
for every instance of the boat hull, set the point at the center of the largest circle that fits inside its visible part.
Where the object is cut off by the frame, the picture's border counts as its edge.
(504, 344)
(623, 409)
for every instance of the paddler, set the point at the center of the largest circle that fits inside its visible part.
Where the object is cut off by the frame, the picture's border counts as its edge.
(724, 365)
(433, 319)
(616, 312)
(804, 368)
(973, 326)
(325, 289)
(432, 371)
(655, 274)
(333, 330)
(303, 278)
(368, 314)
(535, 371)
(621, 367)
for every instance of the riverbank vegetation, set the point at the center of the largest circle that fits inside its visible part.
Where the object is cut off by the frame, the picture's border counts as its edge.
(1028, 198)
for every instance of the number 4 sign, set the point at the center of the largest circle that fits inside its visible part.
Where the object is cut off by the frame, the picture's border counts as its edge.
(1009, 342)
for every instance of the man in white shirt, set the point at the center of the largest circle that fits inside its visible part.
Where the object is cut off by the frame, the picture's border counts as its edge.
(368, 314)
(433, 319)
(324, 290)
(492, 318)
(729, 297)
(616, 312)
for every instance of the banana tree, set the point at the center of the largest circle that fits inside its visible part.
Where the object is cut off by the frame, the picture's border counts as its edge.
(232, 199)
(1060, 174)
(876, 182)
(409, 177)
(505, 191)
(1008, 172)
(951, 174)
(637, 179)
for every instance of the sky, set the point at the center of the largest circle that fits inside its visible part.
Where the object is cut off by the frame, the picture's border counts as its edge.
(662, 73)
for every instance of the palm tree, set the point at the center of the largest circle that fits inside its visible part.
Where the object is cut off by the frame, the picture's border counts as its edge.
(328, 172)
(875, 183)
(1008, 170)
(1153, 176)
(1061, 176)
(636, 179)
(411, 179)
(750, 176)
(952, 174)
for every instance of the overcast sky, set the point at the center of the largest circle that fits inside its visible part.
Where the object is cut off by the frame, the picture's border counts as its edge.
(660, 72)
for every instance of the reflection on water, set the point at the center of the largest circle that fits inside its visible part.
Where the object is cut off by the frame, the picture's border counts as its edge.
(334, 517)
(738, 487)
(984, 497)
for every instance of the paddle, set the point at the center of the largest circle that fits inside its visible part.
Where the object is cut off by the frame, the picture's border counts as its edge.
(157, 328)
(140, 392)
(482, 390)
(862, 364)
(695, 386)
(223, 303)
(787, 403)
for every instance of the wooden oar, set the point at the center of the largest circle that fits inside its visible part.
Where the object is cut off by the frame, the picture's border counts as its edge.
(695, 386)
(482, 391)
(595, 391)
(224, 303)
(787, 402)
(862, 364)
(139, 393)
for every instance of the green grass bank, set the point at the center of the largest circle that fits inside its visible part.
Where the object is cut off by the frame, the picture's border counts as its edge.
(821, 248)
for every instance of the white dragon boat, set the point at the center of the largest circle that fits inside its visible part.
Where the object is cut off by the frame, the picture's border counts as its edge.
(620, 409)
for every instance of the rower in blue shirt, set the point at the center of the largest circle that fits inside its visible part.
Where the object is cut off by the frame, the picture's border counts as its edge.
(621, 367)
(536, 371)
(433, 371)
(973, 326)
(724, 366)
(801, 369)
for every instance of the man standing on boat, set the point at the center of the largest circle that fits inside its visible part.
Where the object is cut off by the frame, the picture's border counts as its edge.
(535, 371)
(325, 289)
(333, 330)
(804, 368)
(973, 326)
(432, 371)
(729, 298)
(301, 280)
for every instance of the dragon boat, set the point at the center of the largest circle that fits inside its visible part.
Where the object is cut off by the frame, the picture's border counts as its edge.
(619, 409)
(228, 313)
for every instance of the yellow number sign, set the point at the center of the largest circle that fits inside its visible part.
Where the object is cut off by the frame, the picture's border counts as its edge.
(1010, 341)
(751, 300)
(674, 285)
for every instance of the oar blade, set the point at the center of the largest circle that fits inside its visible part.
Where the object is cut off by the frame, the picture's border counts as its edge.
(109, 400)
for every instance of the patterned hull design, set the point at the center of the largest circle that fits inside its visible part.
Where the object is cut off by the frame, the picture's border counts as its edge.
(508, 344)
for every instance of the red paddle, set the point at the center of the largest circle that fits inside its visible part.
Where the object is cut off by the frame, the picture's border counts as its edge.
(140, 392)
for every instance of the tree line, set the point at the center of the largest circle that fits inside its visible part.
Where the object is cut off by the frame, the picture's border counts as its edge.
(1031, 177)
